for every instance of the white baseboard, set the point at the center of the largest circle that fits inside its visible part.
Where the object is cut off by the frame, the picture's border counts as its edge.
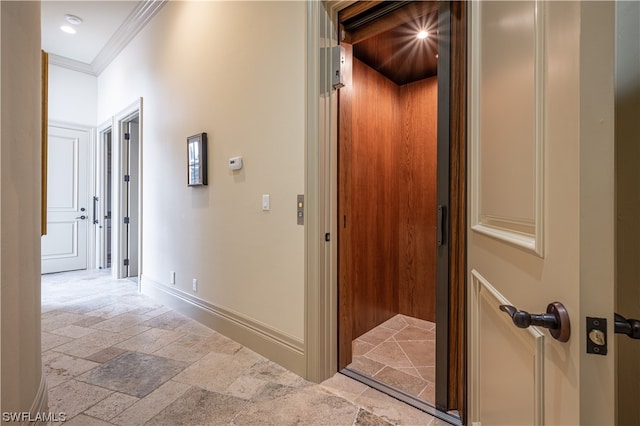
(270, 343)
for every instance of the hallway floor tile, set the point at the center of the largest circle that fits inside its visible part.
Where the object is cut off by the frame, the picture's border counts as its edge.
(116, 357)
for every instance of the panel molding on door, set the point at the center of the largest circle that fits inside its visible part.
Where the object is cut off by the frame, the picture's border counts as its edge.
(484, 301)
(493, 212)
(65, 246)
(66, 233)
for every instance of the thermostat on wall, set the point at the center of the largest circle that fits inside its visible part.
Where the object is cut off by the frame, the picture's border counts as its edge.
(235, 163)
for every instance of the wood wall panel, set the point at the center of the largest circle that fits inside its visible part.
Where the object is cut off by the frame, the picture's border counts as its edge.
(417, 200)
(386, 204)
(373, 212)
(345, 142)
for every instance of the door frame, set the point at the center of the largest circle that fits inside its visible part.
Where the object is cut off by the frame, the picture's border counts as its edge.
(100, 192)
(118, 232)
(321, 321)
(452, 192)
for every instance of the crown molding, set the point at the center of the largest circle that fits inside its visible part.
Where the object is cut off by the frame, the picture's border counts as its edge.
(72, 64)
(139, 17)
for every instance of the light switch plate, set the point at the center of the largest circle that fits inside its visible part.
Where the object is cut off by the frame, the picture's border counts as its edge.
(266, 202)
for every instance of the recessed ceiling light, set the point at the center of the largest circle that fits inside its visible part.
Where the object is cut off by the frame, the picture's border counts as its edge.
(73, 19)
(68, 29)
(422, 35)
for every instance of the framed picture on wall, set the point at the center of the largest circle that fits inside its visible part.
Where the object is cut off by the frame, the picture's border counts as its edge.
(197, 160)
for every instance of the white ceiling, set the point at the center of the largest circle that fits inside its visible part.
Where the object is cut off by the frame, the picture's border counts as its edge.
(107, 28)
(101, 20)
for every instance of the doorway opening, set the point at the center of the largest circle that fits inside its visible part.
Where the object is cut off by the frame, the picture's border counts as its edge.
(126, 193)
(401, 202)
(118, 204)
(103, 201)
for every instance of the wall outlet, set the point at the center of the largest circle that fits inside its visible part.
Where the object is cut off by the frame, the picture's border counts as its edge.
(172, 277)
(195, 284)
(266, 202)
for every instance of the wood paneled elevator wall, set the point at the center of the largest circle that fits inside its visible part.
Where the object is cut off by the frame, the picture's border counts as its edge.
(387, 201)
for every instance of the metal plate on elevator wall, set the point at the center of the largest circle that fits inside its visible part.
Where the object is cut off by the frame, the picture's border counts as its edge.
(300, 209)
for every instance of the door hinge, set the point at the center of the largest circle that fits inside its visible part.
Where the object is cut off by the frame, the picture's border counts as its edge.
(127, 136)
(127, 178)
(344, 221)
(126, 220)
(126, 262)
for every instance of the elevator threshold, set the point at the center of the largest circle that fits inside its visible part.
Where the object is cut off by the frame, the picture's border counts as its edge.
(401, 396)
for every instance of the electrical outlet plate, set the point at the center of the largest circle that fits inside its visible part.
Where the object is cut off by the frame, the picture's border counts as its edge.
(172, 277)
(195, 284)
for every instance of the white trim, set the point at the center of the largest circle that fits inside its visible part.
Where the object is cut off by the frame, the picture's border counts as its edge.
(100, 189)
(509, 229)
(118, 241)
(494, 298)
(321, 316)
(135, 22)
(91, 170)
(280, 347)
(71, 64)
(140, 16)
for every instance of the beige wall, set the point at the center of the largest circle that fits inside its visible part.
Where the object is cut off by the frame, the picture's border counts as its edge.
(20, 200)
(235, 70)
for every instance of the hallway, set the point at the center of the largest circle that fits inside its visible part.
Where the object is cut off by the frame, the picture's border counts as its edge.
(116, 357)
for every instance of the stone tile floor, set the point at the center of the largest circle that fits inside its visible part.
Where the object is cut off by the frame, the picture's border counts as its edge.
(116, 357)
(400, 353)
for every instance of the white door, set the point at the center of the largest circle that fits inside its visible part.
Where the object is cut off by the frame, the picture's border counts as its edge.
(133, 195)
(541, 209)
(130, 197)
(64, 248)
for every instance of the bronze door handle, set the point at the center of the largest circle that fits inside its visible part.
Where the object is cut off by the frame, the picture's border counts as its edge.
(556, 319)
(630, 327)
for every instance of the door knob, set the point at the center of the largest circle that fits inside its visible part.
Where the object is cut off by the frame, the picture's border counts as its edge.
(83, 217)
(556, 319)
(630, 327)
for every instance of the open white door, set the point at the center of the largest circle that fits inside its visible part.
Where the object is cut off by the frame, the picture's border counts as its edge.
(126, 207)
(64, 248)
(542, 209)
